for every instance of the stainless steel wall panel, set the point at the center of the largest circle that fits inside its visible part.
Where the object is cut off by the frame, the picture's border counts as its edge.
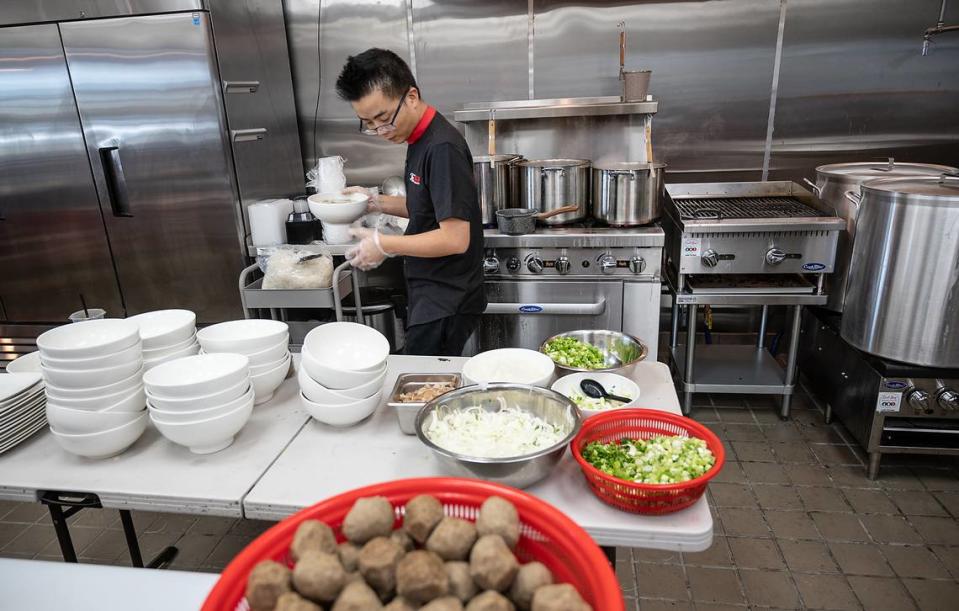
(327, 124)
(712, 64)
(251, 47)
(854, 86)
(52, 243)
(36, 11)
(149, 87)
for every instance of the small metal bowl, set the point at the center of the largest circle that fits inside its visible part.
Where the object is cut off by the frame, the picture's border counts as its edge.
(620, 351)
(517, 471)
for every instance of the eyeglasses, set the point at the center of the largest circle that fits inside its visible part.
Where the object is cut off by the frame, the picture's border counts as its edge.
(386, 128)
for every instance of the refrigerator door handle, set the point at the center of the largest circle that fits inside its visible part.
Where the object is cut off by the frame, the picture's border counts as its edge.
(116, 184)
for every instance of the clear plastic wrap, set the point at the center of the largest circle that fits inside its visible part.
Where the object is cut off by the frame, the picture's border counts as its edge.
(327, 176)
(282, 269)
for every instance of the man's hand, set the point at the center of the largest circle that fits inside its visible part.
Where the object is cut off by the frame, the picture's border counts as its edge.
(373, 205)
(368, 254)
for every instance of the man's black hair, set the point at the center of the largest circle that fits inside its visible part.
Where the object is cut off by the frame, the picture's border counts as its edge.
(374, 69)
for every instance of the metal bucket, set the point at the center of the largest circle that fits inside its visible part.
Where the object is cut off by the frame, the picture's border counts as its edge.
(636, 85)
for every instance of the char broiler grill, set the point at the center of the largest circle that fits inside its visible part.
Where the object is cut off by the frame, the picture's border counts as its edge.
(743, 244)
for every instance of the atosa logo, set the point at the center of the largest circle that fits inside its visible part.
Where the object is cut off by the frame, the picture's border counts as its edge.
(416, 180)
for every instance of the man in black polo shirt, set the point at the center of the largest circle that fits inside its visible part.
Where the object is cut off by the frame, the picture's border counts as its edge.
(443, 244)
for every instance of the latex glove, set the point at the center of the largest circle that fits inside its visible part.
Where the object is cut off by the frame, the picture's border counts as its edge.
(373, 205)
(368, 254)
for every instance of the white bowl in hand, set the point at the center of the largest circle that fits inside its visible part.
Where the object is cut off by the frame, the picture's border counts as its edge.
(103, 444)
(209, 435)
(195, 376)
(341, 208)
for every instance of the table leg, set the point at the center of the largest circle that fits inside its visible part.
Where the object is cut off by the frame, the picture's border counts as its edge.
(790, 379)
(610, 552)
(828, 414)
(674, 322)
(63, 533)
(161, 560)
(690, 358)
(872, 472)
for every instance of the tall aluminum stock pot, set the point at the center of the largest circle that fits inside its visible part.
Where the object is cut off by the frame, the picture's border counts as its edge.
(902, 297)
(628, 194)
(550, 184)
(497, 184)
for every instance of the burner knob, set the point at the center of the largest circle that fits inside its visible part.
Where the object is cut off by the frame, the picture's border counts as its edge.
(607, 263)
(948, 399)
(775, 256)
(710, 258)
(563, 265)
(512, 264)
(637, 265)
(490, 265)
(534, 264)
(919, 400)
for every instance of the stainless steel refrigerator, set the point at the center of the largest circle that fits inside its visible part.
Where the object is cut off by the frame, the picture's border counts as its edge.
(117, 174)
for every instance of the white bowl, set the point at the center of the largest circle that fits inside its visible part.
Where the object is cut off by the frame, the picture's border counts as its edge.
(84, 422)
(347, 346)
(270, 355)
(314, 391)
(200, 402)
(90, 378)
(27, 363)
(338, 207)
(88, 339)
(242, 336)
(510, 365)
(96, 392)
(266, 383)
(126, 355)
(190, 350)
(179, 417)
(104, 443)
(342, 414)
(336, 379)
(164, 328)
(160, 353)
(209, 435)
(129, 400)
(198, 375)
(614, 384)
(258, 369)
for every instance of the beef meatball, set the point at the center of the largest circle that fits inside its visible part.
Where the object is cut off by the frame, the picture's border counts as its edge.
(447, 603)
(403, 539)
(559, 597)
(399, 604)
(291, 601)
(461, 582)
(423, 513)
(490, 601)
(529, 578)
(452, 539)
(370, 517)
(319, 576)
(492, 564)
(268, 581)
(498, 516)
(377, 563)
(357, 596)
(421, 577)
(348, 554)
(313, 535)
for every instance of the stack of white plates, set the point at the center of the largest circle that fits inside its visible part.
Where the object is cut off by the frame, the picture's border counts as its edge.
(264, 342)
(166, 335)
(341, 373)
(21, 408)
(201, 401)
(93, 372)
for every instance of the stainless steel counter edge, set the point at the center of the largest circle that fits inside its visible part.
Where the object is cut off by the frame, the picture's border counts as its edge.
(578, 237)
(557, 111)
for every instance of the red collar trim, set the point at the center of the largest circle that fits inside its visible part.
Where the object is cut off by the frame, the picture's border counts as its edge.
(424, 122)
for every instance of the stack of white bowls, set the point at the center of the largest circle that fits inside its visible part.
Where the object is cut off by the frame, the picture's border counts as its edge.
(166, 335)
(200, 401)
(341, 372)
(93, 371)
(266, 343)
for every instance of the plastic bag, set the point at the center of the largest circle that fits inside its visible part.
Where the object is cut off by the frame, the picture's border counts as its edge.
(285, 271)
(327, 176)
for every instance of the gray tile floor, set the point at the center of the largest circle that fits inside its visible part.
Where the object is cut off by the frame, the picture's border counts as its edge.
(798, 525)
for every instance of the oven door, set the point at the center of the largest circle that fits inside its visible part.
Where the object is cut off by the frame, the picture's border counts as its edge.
(524, 313)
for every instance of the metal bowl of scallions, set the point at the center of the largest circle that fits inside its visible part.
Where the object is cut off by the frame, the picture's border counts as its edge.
(594, 350)
(512, 434)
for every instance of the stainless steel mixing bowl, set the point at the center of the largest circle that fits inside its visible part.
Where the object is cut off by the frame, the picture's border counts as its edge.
(516, 471)
(620, 351)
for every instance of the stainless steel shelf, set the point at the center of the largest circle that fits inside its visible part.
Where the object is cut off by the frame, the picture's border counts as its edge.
(749, 299)
(553, 109)
(732, 369)
(334, 250)
(255, 296)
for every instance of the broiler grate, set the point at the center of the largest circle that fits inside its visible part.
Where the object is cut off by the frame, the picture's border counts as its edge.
(715, 208)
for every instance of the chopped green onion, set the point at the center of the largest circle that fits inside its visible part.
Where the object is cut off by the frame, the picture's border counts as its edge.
(658, 460)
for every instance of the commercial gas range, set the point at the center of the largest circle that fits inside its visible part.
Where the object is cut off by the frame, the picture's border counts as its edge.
(889, 407)
(743, 244)
(561, 279)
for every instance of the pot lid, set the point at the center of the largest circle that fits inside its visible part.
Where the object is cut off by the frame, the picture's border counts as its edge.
(553, 163)
(495, 158)
(628, 165)
(943, 187)
(869, 170)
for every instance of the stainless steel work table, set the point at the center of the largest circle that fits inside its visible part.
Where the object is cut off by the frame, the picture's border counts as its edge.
(324, 461)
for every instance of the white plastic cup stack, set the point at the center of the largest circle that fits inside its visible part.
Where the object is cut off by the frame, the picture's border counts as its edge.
(342, 371)
(93, 374)
(166, 335)
(266, 343)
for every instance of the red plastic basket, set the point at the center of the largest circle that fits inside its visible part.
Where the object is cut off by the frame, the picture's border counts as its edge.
(547, 536)
(643, 424)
